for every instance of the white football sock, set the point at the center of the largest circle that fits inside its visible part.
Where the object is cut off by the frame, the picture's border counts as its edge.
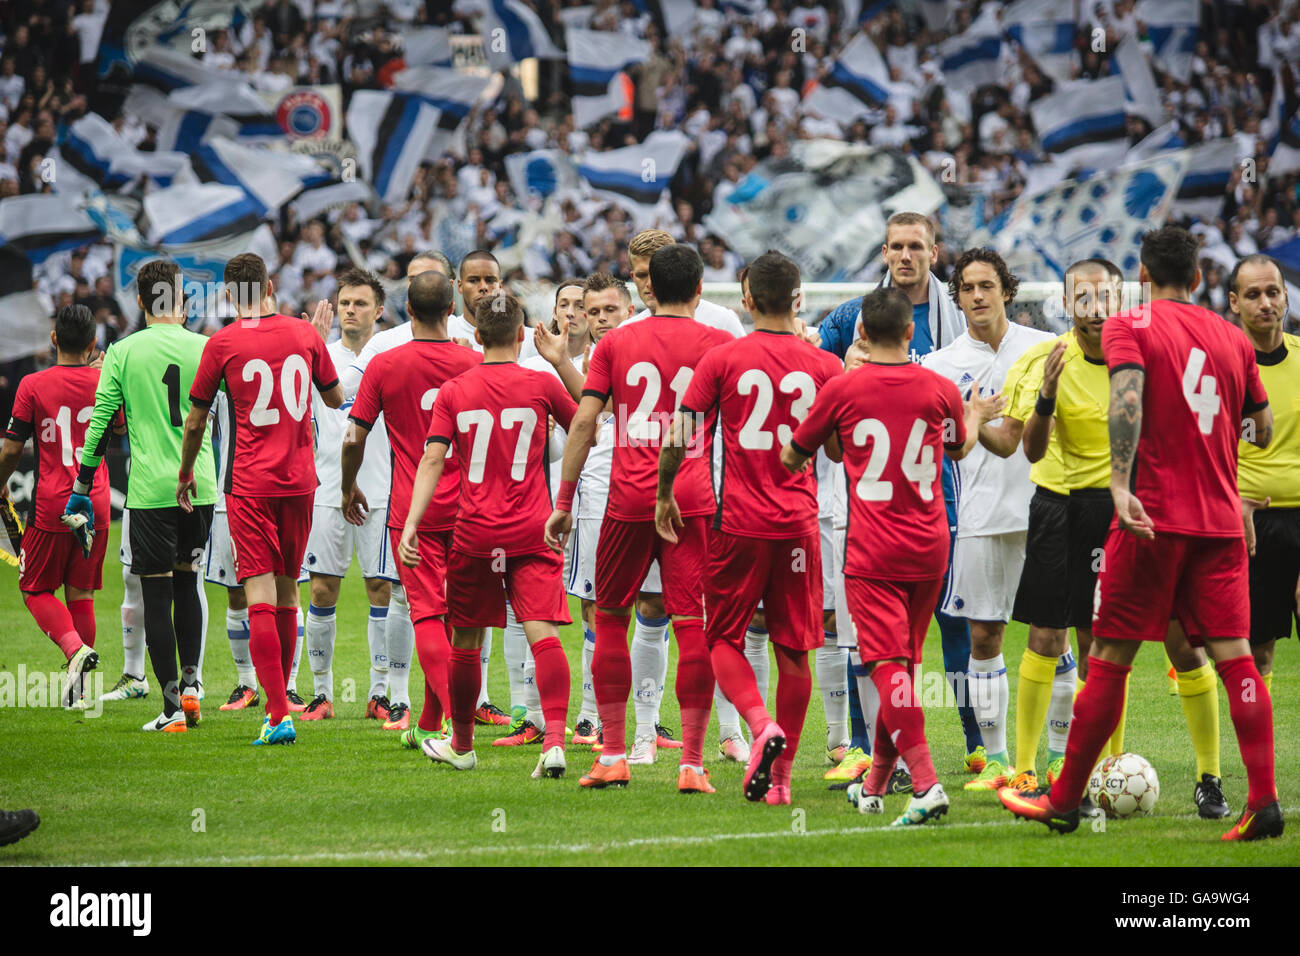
(990, 693)
(292, 683)
(518, 659)
(322, 623)
(663, 677)
(1062, 705)
(398, 639)
(237, 634)
(728, 716)
(588, 711)
(868, 696)
(756, 653)
(649, 661)
(133, 646)
(400, 646)
(532, 696)
(203, 625)
(833, 682)
(485, 654)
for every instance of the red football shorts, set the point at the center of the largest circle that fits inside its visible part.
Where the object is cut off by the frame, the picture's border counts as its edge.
(426, 583)
(477, 589)
(1204, 582)
(48, 560)
(891, 617)
(785, 574)
(269, 535)
(625, 551)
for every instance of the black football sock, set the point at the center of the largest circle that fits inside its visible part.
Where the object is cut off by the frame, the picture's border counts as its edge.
(160, 638)
(188, 616)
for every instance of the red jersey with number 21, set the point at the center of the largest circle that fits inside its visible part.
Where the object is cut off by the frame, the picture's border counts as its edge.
(893, 422)
(1200, 379)
(646, 367)
(494, 417)
(269, 365)
(403, 384)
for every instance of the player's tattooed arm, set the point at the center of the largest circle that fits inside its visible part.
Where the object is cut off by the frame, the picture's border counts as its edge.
(196, 425)
(1257, 427)
(1126, 385)
(9, 455)
(668, 518)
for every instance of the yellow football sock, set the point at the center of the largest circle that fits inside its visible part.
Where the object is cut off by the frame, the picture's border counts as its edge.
(1033, 699)
(1198, 692)
(1116, 745)
(1268, 682)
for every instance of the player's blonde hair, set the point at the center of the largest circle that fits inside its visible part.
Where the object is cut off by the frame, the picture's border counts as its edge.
(647, 242)
(910, 219)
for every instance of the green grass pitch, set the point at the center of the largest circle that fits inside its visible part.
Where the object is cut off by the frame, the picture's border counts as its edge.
(348, 794)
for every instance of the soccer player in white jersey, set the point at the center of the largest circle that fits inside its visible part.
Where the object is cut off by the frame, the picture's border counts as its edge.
(333, 540)
(992, 496)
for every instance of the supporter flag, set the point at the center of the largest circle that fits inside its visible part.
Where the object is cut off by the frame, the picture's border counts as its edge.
(972, 59)
(1282, 126)
(1044, 29)
(1288, 257)
(453, 94)
(857, 84)
(1205, 183)
(1173, 29)
(539, 174)
(512, 31)
(136, 26)
(427, 46)
(673, 17)
(24, 321)
(635, 176)
(1139, 82)
(392, 132)
(92, 156)
(596, 61)
(935, 12)
(1083, 122)
(41, 224)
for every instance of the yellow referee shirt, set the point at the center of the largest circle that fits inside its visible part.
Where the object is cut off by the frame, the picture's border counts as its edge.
(1274, 472)
(1083, 419)
(1023, 382)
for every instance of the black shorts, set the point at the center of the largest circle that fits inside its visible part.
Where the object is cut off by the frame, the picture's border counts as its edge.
(1273, 573)
(163, 538)
(1091, 511)
(1041, 596)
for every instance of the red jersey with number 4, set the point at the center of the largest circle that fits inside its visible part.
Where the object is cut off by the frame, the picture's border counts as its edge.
(403, 384)
(893, 422)
(1200, 379)
(646, 367)
(269, 365)
(761, 386)
(53, 409)
(494, 418)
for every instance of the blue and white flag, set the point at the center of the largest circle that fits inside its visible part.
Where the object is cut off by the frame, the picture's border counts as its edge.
(134, 27)
(392, 132)
(1045, 29)
(596, 57)
(537, 175)
(857, 85)
(41, 224)
(427, 46)
(970, 60)
(453, 94)
(635, 176)
(1139, 81)
(1083, 122)
(92, 156)
(1173, 26)
(512, 31)
(24, 320)
(1205, 183)
(1288, 256)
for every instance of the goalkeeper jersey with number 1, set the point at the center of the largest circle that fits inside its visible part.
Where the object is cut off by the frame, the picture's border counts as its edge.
(148, 373)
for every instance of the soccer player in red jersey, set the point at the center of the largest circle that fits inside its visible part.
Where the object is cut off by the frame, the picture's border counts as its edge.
(268, 363)
(890, 420)
(765, 544)
(493, 418)
(53, 407)
(402, 383)
(1184, 387)
(646, 367)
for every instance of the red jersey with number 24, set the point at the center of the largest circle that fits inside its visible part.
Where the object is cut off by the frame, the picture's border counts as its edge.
(403, 384)
(269, 365)
(494, 417)
(893, 422)
(1200, 379)
(646, 367)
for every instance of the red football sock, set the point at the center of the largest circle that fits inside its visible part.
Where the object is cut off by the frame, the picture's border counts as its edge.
(793, 690)
(433, 647)
(463, 677)
(83, 619)
(286, 628)
(53, 618)
(611, 679)
(1251, 708)
(884, 755)
(694, 687)
(1097, 710)
(264, 649)
(901, 711)
(736, 678)
(553, 687)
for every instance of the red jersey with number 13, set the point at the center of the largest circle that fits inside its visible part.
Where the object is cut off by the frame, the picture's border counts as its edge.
(269, 365)
(403, 384)
(646, 367)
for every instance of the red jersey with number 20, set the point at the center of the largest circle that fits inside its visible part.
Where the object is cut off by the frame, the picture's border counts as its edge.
(269, 365)
(1200, 379)
(646, 367)
(494, 417)
(403, 384)
(761, 387)
(893, 422)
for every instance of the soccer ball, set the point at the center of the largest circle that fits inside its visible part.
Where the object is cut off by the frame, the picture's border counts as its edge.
(1124, 785)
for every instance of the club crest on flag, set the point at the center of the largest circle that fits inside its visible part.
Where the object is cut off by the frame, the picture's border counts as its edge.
(304, 114)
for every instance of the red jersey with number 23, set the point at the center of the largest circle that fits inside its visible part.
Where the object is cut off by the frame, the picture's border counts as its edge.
(403, 384)
(494, 417)
(761, 386)
(1200, 379)
(269, 365)
(646, 367)
(893, 422)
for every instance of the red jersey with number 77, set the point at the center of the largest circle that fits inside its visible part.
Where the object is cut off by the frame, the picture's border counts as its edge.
(893, 422)
(1200, 380)
(269, 364)
(646, 367)
(494, 418)
(403, 384)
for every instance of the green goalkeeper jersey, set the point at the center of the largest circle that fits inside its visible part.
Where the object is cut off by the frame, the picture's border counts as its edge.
(149, 374)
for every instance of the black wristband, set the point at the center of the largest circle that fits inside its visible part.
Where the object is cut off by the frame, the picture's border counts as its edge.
(1045, 407)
